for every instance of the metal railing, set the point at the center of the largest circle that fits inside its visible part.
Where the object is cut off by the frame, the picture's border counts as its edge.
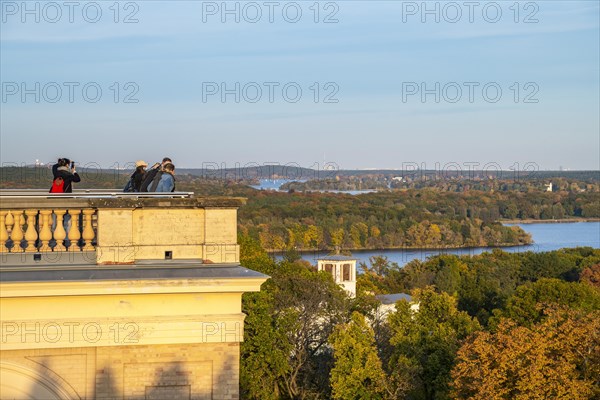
(89, 194)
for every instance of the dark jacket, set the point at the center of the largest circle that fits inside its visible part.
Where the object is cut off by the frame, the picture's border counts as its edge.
(148, 178)
(138, 178)
(67, 176)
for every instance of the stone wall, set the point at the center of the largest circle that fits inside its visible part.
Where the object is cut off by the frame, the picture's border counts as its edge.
(175, 371)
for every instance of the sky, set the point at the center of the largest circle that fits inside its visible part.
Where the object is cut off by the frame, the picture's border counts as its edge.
(355, 84)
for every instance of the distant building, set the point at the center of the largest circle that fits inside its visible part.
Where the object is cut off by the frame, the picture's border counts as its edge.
(549, 187)
(388, 302)
(343, 270)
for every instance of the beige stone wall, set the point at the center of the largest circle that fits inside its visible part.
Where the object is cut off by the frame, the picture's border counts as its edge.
(179, 230)
(127, 235)
(175, 371)
(115, 320)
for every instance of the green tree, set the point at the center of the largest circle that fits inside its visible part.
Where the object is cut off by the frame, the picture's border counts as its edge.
(285, 352)
(523, 307)
(381, 277)
(265, 349)
(511, 211)
(253, 256)
(357, 373)
(309, 304)
(425, 341)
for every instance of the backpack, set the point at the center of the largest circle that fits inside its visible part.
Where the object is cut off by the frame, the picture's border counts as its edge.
(148, 178)
(58, 185)
(129, 187)
(154, 185)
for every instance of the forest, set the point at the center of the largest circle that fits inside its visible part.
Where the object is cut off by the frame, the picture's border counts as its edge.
(424, 218)
(494, 326)
(419, 217)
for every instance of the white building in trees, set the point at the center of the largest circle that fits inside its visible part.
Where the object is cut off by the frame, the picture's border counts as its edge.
(343, 270)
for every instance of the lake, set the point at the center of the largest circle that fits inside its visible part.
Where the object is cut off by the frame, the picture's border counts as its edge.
(546, 237)
(275, 184)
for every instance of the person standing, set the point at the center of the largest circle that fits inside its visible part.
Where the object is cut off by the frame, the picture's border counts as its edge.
(64, 174)
(136, 179)
(152, 173)
(64, 170)
(165, 180)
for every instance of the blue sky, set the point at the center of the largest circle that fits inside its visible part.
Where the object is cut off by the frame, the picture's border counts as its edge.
(376, 60)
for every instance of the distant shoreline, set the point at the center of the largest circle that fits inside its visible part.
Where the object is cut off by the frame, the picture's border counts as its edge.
(548, 221)
(442, 248)
(409, 248)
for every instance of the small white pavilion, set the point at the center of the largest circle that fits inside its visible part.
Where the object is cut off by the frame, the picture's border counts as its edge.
(343, 270)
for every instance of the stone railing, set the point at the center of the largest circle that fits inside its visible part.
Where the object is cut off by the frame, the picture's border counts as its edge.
(42, 230)
(122, 228)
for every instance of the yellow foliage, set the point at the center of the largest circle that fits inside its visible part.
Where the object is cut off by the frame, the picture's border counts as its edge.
(556, 359)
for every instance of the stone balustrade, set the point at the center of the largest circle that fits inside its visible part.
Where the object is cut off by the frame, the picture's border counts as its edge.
(35, 230)
(120, 228)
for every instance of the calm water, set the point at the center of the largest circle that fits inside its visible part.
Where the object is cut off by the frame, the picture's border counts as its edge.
(272, 184)
(546, 237)
(275, 184)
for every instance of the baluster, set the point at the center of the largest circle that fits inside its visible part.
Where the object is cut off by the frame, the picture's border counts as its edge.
(17, 231)
(3, 232)
(45, 231)
(9, 221)
(74, 234)
(31, 234)
(88, 231)
(59, 231)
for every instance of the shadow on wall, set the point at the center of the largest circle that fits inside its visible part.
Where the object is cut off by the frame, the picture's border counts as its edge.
(172, 383)
(105, 385)
(226, 379)
(37, 382)
(171, 380)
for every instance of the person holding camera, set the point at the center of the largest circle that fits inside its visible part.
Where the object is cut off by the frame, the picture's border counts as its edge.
(64, 175)
(164, 180)
(151, 174)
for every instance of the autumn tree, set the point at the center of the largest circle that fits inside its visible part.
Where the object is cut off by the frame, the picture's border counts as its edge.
(558, 358)
(253, 256)
(591, 275)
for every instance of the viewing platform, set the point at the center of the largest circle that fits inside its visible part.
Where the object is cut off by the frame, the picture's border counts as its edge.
(105, 295)
(107, 227)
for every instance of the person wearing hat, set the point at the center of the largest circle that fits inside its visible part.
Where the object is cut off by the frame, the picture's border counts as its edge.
(138, 175)
(135, 182)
